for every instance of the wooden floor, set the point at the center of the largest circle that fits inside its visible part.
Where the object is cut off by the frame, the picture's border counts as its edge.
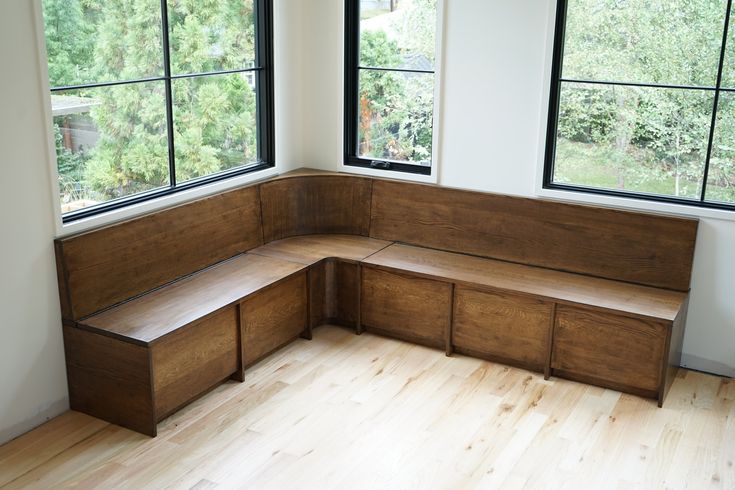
(344, 411)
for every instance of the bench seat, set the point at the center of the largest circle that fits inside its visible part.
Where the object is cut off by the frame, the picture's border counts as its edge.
(553, 285)
(136, 363)
(153, 316)
(310, 249)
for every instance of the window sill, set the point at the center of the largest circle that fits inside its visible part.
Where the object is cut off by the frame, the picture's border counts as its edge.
(633, 204)
(392, 174)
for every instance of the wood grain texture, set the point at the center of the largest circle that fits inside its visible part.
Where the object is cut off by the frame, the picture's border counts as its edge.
(504, 327)
(609, 350)
(548, 284)
(310, 249)
(61, 279)
(110, 379)
(676, 346)
(346, 286)
(640, 248)
(316, 204)
(321, 305)
(112, 264)
(190, 361)
(423, 420)
(156, 314)
(273, 318)
(406, 307)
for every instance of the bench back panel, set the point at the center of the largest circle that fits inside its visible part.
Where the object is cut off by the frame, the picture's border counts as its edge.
(634, 247)
(316, 204)
(103, 267)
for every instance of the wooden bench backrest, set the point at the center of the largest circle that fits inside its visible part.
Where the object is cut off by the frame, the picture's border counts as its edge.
(627, 246)
(304, 205)
(103, 267)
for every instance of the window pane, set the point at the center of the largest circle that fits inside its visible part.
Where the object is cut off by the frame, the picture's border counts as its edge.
(728, 68)
(395, 116)
(398, 33)
(647, 41)
(211, 36)
(110, 142)
(645, 140)
(215, 120)
(721, 177)
(89, 41)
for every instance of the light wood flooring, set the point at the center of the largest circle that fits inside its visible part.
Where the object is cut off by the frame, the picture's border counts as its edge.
(344, 411)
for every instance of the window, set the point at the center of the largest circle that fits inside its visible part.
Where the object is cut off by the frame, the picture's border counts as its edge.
(389, 84)
(643, 100)
(150, 97)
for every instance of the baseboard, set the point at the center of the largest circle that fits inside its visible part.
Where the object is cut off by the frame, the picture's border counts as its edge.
(707, 366)
(44, 414)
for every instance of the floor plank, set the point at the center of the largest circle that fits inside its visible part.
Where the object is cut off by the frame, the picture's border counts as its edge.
(344, 411)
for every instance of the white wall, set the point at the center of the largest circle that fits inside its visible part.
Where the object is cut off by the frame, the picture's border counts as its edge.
(32, 376)
(495, 74)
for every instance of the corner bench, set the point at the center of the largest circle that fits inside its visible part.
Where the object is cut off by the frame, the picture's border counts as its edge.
(160, 309)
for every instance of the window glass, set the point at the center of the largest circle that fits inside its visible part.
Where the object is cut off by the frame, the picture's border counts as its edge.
(139, 110)
(211, 36)
(639, 85)
(391, 97)
(215, 124)
(92, 41)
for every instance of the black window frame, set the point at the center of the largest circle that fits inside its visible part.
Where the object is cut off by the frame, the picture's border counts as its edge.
(351, 108)
(553, 119)
(264, 94)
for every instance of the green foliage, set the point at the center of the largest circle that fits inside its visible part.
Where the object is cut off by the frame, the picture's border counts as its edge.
(645, 135)
(396, 109)
(114, 40)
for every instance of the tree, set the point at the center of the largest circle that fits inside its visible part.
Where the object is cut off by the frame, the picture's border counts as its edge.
(652, 139)
(396, 108)
(214, 116)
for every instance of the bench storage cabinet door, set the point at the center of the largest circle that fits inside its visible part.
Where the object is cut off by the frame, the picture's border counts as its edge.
(615, 351)
(406, 307)
(502, 327)
(189, 361)
(273, 317)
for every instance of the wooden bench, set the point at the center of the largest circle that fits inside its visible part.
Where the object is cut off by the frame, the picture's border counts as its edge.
(159, 309)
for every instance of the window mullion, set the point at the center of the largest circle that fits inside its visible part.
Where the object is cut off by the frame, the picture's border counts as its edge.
(716, 102)
(169, 94)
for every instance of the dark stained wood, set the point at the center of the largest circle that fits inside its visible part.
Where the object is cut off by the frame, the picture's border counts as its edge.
(449, 332)
(503, 327)
(61, 279)
(320, 307)
(406, 307)
(634, 247)
(310, 249)
(346, 287)
(165, 310)
(333, 293)
(550, 345)
(316, 204)
(112, 264)
(190, 361)
(273, 318)
(547, 284)
(673, 358)
(109, 379)
(609, 350)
